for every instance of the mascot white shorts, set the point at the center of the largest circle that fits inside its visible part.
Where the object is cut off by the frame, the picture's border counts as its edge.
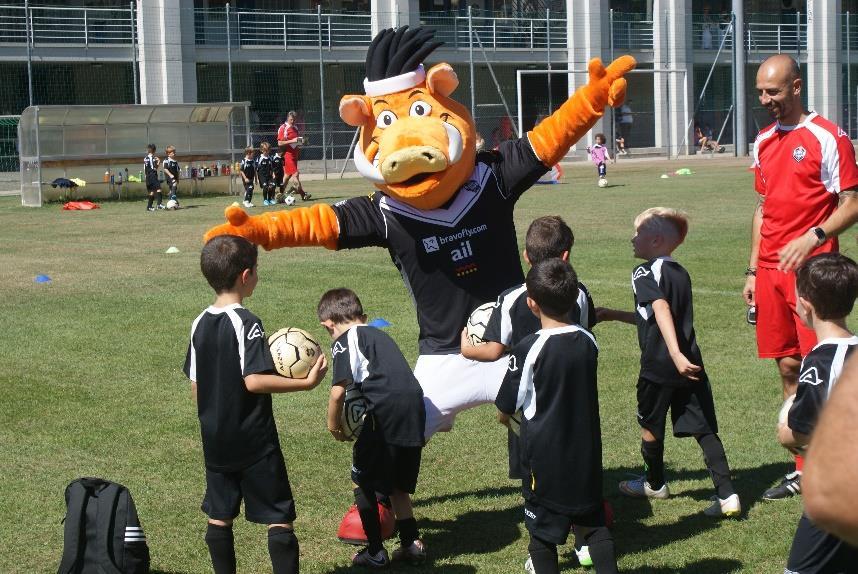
(452, 383)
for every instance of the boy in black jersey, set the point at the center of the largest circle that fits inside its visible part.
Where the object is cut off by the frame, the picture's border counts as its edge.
(386, 455)
(171, 171)
(826, 287)
(551, 378)
(672, 375)
(248, 175)
(278, 170)
(150, 171)
(265, 173)
(232, 377)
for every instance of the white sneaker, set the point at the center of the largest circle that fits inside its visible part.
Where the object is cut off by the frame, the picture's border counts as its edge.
(583, 555)
(248, 204)
(729, 507)
(640, 488)
(528, 565)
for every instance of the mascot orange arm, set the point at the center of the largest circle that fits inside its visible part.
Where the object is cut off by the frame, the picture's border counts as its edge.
(550, 139)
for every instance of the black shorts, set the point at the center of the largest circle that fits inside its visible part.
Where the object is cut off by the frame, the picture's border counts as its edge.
(264, 486)
(692, 409)
(517, 467)
(816, 552)
(152, 182)
(553, 526)
(384, 467)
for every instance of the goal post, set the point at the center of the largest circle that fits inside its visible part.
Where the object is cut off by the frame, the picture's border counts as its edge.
(660, 126)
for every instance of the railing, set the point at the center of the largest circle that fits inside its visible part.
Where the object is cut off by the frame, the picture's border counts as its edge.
(497, 32)
(849, 21)
(67, 26)
(761, 33)
(630, 33)
(280, 29)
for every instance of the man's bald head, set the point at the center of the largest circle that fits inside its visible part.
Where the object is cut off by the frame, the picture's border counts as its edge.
(779, 86)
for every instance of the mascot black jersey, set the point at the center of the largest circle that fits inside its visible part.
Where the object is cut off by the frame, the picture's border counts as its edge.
(456, 257)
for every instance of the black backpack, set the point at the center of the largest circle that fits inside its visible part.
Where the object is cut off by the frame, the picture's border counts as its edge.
(102, 532)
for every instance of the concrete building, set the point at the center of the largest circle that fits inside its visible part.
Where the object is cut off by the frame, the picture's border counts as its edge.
(269, 51)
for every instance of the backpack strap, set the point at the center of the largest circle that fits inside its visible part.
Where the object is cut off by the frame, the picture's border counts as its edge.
(107, 502)
(76, 496)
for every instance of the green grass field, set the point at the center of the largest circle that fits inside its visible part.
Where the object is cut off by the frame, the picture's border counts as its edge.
(91, 384)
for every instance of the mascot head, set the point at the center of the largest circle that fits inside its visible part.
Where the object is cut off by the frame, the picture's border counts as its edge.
(416, 143)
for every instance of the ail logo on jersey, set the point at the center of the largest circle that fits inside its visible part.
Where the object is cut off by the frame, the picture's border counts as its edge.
(255, 332)
(513, 364)
(338, 348)
(430, 244)
(810, 377)
(799, 153)
(463, 251)
(640, 272)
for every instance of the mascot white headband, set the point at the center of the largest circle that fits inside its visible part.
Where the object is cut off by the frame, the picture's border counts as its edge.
(394, 84)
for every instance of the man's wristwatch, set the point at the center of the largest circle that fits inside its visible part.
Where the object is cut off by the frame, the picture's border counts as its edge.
(820, 235)
(751, 272)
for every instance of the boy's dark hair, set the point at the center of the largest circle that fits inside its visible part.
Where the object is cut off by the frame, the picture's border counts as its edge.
(830, 282)
(249, 149)
(547, 237)
(224, 258)
(340, 306)
(151, 148)
(600, 135)
(553, 285)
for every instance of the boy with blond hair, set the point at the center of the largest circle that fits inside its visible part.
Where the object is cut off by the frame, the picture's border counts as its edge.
(672, 374)
(171, 172)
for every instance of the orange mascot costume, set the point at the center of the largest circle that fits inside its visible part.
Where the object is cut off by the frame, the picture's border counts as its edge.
(442, 210)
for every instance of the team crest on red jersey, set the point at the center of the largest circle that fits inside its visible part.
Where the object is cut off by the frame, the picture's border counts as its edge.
(799, 153)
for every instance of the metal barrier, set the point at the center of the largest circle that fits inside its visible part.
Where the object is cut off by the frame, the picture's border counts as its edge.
(498, 32)
(631, 33)
(66, 26)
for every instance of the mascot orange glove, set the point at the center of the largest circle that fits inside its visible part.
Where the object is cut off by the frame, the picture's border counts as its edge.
(554, 135)
(302, 227)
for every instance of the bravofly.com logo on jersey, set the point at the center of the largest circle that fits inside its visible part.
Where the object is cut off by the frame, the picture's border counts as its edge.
(433, 243)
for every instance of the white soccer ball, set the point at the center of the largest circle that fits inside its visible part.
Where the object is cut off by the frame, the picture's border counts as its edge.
(477, 322)
(355, 407)
(172, 204)
(289, 200)
(294, 351)
(603, 182)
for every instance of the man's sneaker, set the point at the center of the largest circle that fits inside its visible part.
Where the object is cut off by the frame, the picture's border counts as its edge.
(528, 565)
(640, 488)
(248, 204)
(367, 560)
(583, 555)
(729, 507)
(790, 485)
(306, 196)
(415, 553)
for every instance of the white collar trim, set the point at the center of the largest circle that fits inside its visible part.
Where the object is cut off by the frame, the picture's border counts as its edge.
(807, 120)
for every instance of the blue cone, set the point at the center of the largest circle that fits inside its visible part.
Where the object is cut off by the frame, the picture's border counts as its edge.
(379, 323)
(42, 279)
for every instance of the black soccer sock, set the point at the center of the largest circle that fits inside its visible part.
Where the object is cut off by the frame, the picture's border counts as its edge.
(653, 455)
(248, 194)
(151, 199)
(602, 551)
(283, 549)
(158, 197)
(543, 555)
(716, 462)
(407, 531)
(221, 548)
(368, 510)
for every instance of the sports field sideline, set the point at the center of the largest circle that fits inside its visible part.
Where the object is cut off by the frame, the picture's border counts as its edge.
(91, 383)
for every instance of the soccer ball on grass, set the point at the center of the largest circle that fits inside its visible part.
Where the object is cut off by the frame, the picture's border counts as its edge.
(603, 182)
(294, 351)
(289, 199)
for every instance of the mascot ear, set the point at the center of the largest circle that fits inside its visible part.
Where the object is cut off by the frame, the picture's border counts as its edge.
(442, 79)
(355, 110)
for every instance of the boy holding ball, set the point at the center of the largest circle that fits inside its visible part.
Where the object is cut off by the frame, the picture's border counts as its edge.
(386, 456)
(232, 377)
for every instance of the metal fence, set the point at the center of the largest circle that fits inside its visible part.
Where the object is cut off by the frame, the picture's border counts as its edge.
(59, 25)
(498, 32)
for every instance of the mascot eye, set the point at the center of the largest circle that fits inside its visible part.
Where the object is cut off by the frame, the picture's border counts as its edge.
(385, 119)
(420, 108)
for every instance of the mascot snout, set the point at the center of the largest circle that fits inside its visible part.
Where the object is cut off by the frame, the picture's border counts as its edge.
(412, 161)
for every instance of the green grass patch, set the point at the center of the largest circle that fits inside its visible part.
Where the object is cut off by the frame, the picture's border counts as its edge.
(91, 383)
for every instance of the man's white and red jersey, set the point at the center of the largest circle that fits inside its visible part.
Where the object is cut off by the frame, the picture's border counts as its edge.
(288, 132)
(800, 170)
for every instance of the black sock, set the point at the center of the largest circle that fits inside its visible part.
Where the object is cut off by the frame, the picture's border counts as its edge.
(716, 462)
(248, 195)
(151, 198)
(407, 531)
(602, 551)
(543, 555)
(158, 197)
(283, 549)
(653, 455)
(221, 548)
(368, 510)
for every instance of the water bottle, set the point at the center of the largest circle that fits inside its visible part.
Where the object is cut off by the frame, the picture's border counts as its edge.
(106, 178)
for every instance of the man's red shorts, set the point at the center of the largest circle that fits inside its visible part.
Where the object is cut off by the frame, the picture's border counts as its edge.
(290, 163)
(780, 332)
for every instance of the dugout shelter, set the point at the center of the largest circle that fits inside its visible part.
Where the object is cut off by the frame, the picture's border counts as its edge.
(98, 144)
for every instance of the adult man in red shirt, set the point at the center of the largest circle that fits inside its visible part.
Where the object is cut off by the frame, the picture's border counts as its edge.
(806, 179)
(289, 141)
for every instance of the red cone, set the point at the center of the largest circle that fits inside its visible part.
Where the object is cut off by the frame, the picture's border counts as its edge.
(351, 529)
